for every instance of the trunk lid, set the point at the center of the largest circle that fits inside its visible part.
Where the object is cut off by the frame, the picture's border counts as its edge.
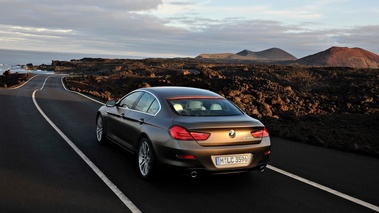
(224, 130)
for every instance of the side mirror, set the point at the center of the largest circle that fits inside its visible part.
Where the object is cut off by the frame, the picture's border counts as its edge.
(110, 103)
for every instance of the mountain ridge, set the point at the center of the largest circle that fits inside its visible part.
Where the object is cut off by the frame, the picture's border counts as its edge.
(331, 57)
(271, 54)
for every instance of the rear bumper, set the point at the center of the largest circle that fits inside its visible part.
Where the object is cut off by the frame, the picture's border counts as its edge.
(167, 154)
(194, 172)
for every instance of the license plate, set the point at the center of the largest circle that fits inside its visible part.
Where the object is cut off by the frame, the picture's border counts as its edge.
(232, 160)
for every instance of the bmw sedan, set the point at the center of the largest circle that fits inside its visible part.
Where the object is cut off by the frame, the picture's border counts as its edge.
(190, 129)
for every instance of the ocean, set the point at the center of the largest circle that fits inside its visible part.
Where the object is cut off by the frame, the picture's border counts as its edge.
(13, 59)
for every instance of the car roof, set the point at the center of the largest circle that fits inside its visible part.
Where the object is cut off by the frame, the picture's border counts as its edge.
(169, 92)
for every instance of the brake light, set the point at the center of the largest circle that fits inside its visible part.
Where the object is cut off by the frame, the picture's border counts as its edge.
(180, 133)
(262, 133)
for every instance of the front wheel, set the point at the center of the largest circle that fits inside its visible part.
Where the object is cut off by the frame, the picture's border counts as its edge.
(146, 160)
(100, 133)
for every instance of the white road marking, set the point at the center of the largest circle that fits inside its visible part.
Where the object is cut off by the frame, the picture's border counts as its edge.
(92, 99)
(99, 173)
(21, 85)
(324, 188)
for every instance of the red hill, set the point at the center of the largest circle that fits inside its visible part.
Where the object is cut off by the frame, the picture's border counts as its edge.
(342, 57)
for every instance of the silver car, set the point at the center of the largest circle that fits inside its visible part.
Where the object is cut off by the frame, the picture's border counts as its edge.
(191, 129)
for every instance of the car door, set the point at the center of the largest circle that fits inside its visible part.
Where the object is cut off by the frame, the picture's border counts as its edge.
(116, 124)
(145, 107)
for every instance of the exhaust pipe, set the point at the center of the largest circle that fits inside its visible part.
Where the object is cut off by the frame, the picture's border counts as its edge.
(262, 168)
(193, 174)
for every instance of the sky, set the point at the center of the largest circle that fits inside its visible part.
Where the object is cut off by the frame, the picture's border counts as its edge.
(187, 28)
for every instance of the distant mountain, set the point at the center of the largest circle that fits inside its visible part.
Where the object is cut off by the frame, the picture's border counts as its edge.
(342, 57)
(272, 54)
(219, 56)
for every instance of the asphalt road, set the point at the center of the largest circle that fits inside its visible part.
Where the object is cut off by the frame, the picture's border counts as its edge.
(50, 162)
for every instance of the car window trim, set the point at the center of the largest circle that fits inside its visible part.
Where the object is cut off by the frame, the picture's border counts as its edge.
(142, 93)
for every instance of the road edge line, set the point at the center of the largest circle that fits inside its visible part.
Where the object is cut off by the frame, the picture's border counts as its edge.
(99, 173)
(92, 99)
(21, 85)
(324, 188)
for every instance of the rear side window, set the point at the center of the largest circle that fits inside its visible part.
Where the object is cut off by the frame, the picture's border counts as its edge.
(148, 104)
(144, 102)
(204, 107)
(154, 107)
(129, 100)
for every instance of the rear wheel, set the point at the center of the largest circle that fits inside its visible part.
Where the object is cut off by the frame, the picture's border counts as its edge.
(100, 133)
(146, 160)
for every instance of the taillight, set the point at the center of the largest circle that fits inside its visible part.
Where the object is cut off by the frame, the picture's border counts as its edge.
(180, 133)
(200, 136)
(262, 133)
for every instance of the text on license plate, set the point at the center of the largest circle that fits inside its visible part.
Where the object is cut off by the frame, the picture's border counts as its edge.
(232, 160)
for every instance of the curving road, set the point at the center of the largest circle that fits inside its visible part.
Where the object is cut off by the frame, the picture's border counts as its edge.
(50, 162)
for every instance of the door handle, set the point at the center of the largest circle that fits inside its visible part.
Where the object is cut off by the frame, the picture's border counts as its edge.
(141, 121)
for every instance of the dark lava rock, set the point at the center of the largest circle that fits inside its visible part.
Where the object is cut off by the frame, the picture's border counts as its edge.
(334, 107)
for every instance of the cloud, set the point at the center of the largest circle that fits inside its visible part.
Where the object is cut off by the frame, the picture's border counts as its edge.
(69, 22)
(156, 28)
(69, 13)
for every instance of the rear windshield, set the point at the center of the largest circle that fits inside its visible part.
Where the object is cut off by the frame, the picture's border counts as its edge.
(204, 107)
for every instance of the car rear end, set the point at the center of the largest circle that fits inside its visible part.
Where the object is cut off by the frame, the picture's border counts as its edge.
(216, 141)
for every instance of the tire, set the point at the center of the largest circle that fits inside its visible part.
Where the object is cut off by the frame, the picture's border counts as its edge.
(146, 159)
(100, 133)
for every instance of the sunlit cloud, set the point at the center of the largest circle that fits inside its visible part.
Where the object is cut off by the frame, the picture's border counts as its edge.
(45, 30)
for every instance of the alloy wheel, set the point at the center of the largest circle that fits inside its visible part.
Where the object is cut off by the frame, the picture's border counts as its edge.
(99, 129)
(145, 159)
